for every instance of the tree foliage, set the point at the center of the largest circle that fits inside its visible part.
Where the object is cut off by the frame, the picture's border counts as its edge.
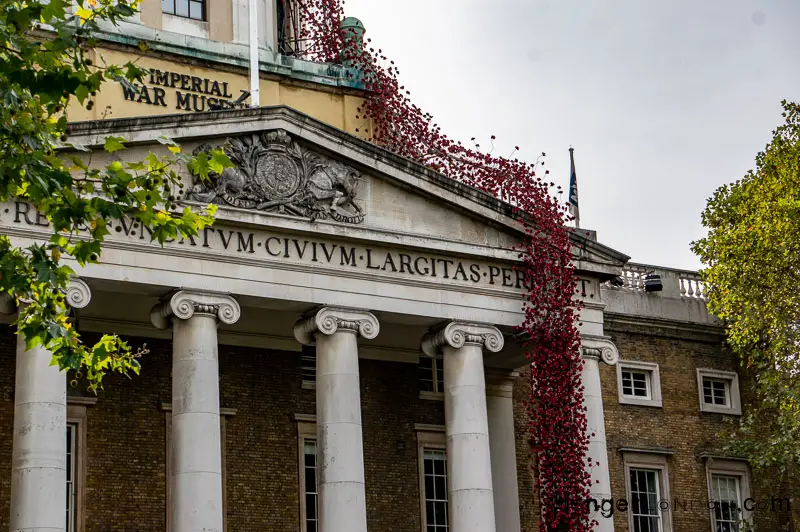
(44, 66)
(752, 274)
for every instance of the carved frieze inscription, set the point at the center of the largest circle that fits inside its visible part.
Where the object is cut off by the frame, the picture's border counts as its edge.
(274, 173)
(275, 248)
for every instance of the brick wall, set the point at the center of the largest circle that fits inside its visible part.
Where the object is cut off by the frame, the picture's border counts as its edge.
(678, 426)
(126, 483)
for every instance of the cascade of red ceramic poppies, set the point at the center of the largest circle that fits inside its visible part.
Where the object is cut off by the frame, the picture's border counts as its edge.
(557, 429)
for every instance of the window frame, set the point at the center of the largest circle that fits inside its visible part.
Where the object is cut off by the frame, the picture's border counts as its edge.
(224, 413)
(430, 437)
(633, 459)
(306, 431)
(204, 8)
(654, 383)
(729, 468)
(76, 415)
(435, 363)
(734, 406)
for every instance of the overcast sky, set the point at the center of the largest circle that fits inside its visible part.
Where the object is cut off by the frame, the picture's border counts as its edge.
(663, 101)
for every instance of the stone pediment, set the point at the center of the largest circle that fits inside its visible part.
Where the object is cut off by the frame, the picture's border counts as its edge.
(289, 166)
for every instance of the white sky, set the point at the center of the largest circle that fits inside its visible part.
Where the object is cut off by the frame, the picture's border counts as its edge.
(662, 101)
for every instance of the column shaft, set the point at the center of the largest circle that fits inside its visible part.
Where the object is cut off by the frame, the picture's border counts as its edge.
(469, 464)
(597, 453)
(39, 459)
(503, 451)
(342, 501)
(196, 476)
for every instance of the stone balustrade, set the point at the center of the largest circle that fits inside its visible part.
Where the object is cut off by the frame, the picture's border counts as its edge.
(676, 283)
(682, 296)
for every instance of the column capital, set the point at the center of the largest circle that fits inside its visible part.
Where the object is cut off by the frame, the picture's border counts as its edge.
(599, 348)
(78, 293)
(330, 320)
(78, 296)
(460, 333)
(183, 304)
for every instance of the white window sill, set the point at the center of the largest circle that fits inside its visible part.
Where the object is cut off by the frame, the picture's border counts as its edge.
(719, 409)
(640, 401)
(431, 396)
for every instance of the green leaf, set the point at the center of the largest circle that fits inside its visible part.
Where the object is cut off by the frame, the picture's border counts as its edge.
(114, 144)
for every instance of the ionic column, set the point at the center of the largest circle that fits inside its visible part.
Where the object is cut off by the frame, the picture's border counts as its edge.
(503, 448)
(593, 350)
(342, 498)
(39, 449)
(469, 478)
(196, 476)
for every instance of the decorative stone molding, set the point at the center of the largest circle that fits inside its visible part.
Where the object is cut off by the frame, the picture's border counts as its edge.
(184, 304)
(457, 334)
(273, 173)
(599, 347)
(330, 320)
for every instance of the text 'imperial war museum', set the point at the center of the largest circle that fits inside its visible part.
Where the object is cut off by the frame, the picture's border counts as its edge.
(339, 351)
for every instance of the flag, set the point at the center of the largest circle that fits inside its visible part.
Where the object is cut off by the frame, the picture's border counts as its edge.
(573, 190)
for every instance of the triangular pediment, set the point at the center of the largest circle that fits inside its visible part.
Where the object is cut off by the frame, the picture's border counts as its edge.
(292, 169)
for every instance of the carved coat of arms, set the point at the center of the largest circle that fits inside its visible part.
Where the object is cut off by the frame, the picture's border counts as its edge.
(273, 173)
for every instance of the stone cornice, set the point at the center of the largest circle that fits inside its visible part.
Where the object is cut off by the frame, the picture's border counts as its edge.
(457, 334)
(600, 348)
(714, 333)
(330, 320)
(184, 304)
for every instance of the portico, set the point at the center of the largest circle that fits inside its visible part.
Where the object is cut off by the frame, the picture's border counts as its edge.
(387, 263)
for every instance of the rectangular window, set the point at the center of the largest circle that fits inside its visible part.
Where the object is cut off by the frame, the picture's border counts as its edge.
(639, 383)
(193, 9)
(310, 484)
(435, 473)
(431, 375)
(645, 494)
(636, 384)
(715, 391)
(308, 367)
(727, 497)
(72, 441)
(719, 391)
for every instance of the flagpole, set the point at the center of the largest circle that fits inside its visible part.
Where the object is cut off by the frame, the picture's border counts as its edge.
(255, 101)
(573, 189)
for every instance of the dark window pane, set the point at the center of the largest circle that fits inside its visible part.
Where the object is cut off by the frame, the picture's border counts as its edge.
(428, 467)
(441, 512)
(438, 467)
(429, 491)
(440, 491)
(311, 507)
(429, 513)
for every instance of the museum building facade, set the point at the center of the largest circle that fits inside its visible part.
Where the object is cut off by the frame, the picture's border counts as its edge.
(339, 351)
